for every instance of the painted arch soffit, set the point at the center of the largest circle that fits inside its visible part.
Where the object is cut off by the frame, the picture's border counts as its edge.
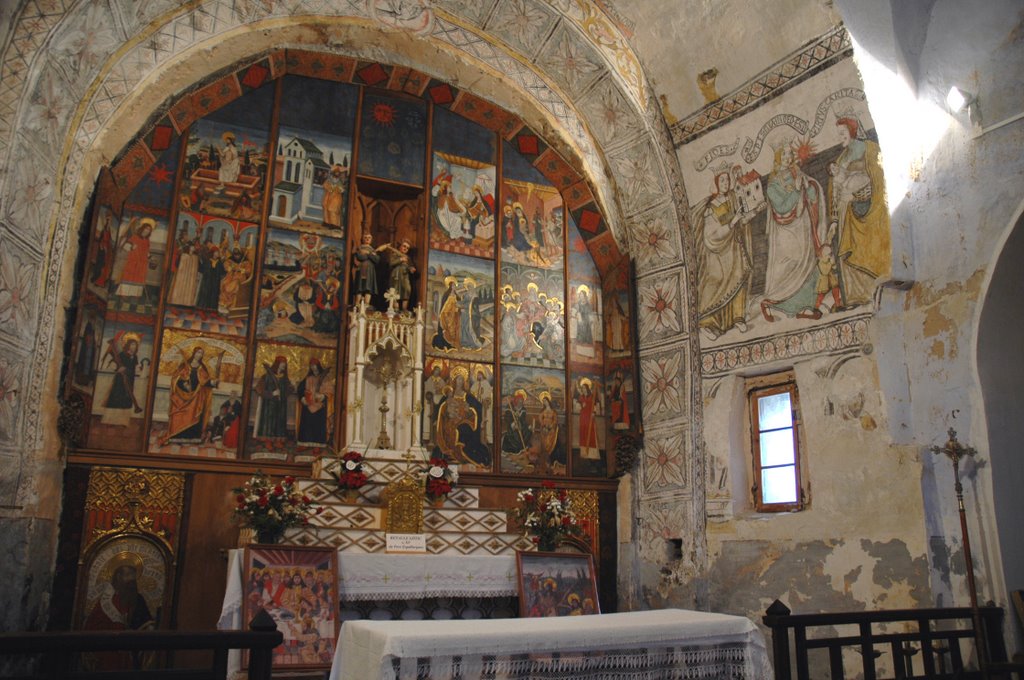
(101, 53)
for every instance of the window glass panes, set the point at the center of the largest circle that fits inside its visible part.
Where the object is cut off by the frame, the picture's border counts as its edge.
(774, 411)
(778, 485)
(777, 448)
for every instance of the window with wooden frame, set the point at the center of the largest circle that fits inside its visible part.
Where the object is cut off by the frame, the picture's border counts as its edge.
(775, 443)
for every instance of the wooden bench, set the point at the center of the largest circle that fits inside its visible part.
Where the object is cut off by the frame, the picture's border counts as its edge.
(59, 652)
(921, 643)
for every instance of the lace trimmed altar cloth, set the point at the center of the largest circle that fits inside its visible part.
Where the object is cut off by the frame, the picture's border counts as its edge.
(652, 645)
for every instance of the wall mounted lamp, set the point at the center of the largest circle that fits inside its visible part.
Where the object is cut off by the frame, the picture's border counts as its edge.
(957, 100)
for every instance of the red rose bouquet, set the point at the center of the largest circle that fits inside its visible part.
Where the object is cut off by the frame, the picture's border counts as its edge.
(269, 508)
(440, 479)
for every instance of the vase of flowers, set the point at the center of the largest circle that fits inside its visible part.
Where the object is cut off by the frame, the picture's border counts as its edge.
(349, 476)
(268, 508)
(546, 517)
(439, 480)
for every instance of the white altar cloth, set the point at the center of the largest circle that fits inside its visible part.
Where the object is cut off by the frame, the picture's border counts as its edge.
(667, 643)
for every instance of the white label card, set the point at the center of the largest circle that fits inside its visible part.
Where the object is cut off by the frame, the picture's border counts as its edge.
(406, 543)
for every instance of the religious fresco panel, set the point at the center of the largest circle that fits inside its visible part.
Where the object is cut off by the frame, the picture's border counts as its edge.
(226, 160)
(620, 391)
(462, 204)
(393, 139)
(99, 267)
(299, 294)
(586, 326)
(589, 425)
(458, 413)
(291, 412)
(86, 349)
(532, 421)
(311, 181)
(197, 404)
(532, 224)
(212, 270)
(460, 307)
(137, 247)
(122, 383)
(791, 229)
(618, 339)
(532, 322)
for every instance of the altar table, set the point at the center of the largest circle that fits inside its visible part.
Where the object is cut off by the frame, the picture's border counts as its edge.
(661, 644)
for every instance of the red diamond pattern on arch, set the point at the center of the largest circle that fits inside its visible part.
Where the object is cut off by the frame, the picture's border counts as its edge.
(371, 73)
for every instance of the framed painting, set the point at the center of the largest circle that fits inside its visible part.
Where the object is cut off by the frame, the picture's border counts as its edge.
(297, 586)
(556, 584)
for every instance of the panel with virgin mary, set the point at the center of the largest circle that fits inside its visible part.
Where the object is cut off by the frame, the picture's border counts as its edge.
(459, 412)
(460, 307)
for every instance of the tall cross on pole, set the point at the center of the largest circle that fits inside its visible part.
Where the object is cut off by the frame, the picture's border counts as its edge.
(956, 451)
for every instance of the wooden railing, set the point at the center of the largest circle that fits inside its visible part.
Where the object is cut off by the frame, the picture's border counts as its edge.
(921, 643)
(58, 653)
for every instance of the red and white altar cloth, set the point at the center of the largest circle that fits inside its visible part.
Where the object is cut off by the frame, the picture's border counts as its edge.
(651, 645)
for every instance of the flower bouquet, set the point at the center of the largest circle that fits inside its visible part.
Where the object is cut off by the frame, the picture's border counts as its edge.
(546, 517)
(440, 480)
(268, 508)
(349, 476)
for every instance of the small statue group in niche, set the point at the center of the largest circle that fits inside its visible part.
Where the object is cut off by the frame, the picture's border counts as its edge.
(401, 269)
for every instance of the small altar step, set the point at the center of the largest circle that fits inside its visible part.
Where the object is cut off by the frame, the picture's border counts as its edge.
(325, 491)
(438, 543)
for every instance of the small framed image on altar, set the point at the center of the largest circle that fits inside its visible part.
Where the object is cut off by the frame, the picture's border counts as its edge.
(298, 587)
(556, 584)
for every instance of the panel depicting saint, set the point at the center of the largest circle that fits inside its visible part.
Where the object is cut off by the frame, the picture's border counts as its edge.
(617, 330)
(532, 316)
(85, 353)
(532, 219)
(136, 248)
(393, 142)
(99, 267)
(585, 306)
(197, 402)
(620, 390)
(460, 307)
(124, 586)
(462, 206)
(300, 288)
(291, 413)
(458, 412)
(211, 279)
(225, 170)
(124, 355)
(532, 421)
(589, 425)
(311, 180)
